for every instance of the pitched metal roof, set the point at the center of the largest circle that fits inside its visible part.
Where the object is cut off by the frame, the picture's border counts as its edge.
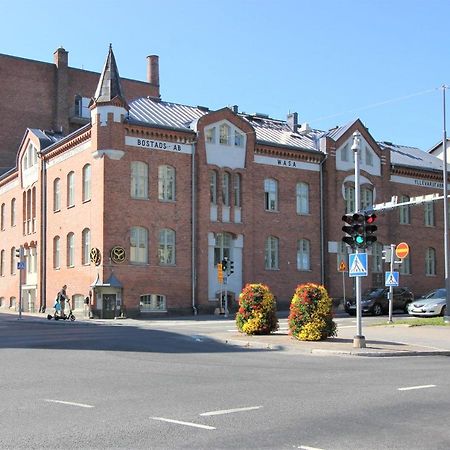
(402, 155)
(336, 133)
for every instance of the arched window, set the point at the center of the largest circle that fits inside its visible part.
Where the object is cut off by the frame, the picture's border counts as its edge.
(166, 183)
(13, 212)
(166, 251)
(70, 189)
(139, 180)
(271, 194)
(366, 197)
(349, 198)
(13, 261)
(430, 261)
(226, 188)
(429, 214)
(213, 187)
(139, 245)
(222, 248)
(303, 255)
(56, 253)
(70, 250)
(302, 192)
(237, 189)
(271, 253)
(85, 245)
(404, 211)
(86, 182)
(2, 263)
(2, 216)
(56, 194)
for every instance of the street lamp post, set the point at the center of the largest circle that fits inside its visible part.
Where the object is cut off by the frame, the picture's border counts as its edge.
(359, 340)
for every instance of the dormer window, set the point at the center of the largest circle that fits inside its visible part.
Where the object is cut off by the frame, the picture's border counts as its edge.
(30, 157)
(224, 137)
(369, 157)
(238, 139)
(210, 135)
(82, 107)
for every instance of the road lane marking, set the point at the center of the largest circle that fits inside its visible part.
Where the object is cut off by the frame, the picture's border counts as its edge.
(179, 422)
(426, 386)
(305, 447)
(81, 405)
(229, 411)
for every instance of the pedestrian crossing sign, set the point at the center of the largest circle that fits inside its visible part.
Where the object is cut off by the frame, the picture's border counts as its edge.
(357, 265)
(391, 279)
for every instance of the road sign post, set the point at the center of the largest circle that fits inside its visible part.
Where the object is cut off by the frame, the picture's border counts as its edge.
(391, 288)
(343, 268)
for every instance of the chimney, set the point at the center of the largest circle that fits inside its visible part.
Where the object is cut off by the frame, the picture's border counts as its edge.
(292, 121)
(62, 102)
(153, 74)
(61, 58)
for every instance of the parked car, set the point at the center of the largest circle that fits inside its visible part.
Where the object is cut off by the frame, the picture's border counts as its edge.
(431, 304)
(375, 301)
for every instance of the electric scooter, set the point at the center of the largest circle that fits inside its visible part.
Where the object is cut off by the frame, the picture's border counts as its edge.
(57, 315)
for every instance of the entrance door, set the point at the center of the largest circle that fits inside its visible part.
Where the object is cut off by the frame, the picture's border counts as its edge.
(109, 306)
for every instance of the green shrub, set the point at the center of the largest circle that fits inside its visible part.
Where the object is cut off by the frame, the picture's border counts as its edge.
(310, 317)
(257, 312)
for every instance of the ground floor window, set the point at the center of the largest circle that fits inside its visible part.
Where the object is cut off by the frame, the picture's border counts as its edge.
(78, 301)
(152, 303)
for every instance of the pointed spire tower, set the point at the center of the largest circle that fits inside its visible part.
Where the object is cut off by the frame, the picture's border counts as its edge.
(109, 96)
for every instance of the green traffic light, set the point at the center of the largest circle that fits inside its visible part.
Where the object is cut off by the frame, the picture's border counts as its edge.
(359, 240)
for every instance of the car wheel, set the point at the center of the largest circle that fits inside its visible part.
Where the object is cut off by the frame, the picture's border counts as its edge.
(405, 309)
(377, 309)
(443, 311)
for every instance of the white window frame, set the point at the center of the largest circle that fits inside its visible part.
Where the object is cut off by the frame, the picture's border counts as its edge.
(271, 194)
(226, 182)
(271, 254)
(13, 212)
(86, 175)
(152, 303)
(166, 250)
(404, 211)
(302, 194)
(349, 198)
(166, 183)
(303, 255)
(70, 189)
(213, 187)
(139, 245)
(57, 194)
(429, 218)
(70, 250)
(430, 262)
(366, 197)
(237, 186)
(56, 252)
(224, 134)
(85, 246)
(377, 255)
(210, 135)
(139, 180)
(2, 216)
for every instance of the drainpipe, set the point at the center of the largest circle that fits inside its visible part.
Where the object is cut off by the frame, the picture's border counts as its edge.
(193, 232)
(322, 231)
(43, 246)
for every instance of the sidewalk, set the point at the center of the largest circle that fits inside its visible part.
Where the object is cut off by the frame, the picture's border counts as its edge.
(381, 341)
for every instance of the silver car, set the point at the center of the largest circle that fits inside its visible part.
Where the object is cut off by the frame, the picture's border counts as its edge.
(431, 304)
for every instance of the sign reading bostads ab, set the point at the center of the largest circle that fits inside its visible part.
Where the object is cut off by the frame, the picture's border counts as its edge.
(402, 250)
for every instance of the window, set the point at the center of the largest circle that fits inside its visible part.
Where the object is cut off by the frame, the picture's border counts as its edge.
(166, 183)
(377, 261)
(429, 214)
(369, 156)
(430, 261)
(85, 245)
(238, 139)
(302, 198)
(213, 187)
(210, 135)
(70, 189)
(13, 261)
(404, 211)
(78, 301)
(344, 152)
(366, 197)
(2, 216)
(152, 303)
(30, 157)
(224, 134)
(56, 252)
(2, 302)
(82, 107)
(139, 180)
(271, 253)
(86, 182)
(2, 263)
(138, 245)
(237, 189)
(70, 250)
(405, 266)
(271, 194)
(57, 194)
(349, 193)
(13, 212)
(222, 248)
(166, 251)
(303, 255)
(226, 188)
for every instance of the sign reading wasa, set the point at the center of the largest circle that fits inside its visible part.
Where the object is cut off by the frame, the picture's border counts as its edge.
(152, 144)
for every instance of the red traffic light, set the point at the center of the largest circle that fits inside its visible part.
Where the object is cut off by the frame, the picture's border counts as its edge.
(371, 218)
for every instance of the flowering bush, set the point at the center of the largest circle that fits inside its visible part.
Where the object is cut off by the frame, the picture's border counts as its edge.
(257, 310)
(310, 317)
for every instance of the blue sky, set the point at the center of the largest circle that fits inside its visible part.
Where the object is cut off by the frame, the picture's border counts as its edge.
(332, 61)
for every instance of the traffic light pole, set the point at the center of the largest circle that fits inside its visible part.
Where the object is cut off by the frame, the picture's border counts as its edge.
(391, 288)
(359, 340)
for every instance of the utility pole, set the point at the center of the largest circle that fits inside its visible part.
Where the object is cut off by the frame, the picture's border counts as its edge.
(391, 288)
(359, 340)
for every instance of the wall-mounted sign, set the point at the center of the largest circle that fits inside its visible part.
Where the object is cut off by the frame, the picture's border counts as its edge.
(117, 254)
(95, 256)
(153, 144)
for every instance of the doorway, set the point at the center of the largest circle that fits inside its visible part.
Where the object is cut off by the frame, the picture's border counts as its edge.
(109, 306)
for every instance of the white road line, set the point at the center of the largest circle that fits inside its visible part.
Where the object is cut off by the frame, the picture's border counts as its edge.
(229, 411)
(426, 386)
(179, 422)
(82, 405)
(305, 447)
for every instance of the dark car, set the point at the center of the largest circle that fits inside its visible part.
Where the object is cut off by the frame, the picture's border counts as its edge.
(375, 301)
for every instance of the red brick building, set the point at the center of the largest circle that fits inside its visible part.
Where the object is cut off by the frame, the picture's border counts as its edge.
(135, 209)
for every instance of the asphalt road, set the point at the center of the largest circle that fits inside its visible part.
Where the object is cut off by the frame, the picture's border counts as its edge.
(166, 384)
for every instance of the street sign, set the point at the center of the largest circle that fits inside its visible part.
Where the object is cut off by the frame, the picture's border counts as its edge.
(402, 250)
(342, 266)
(391, 279)
(358, 265)
(21, 265)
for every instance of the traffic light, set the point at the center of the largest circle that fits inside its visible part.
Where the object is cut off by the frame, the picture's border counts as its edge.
(370, 229)
(355, 230)
(230, 267)
(19, 253)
